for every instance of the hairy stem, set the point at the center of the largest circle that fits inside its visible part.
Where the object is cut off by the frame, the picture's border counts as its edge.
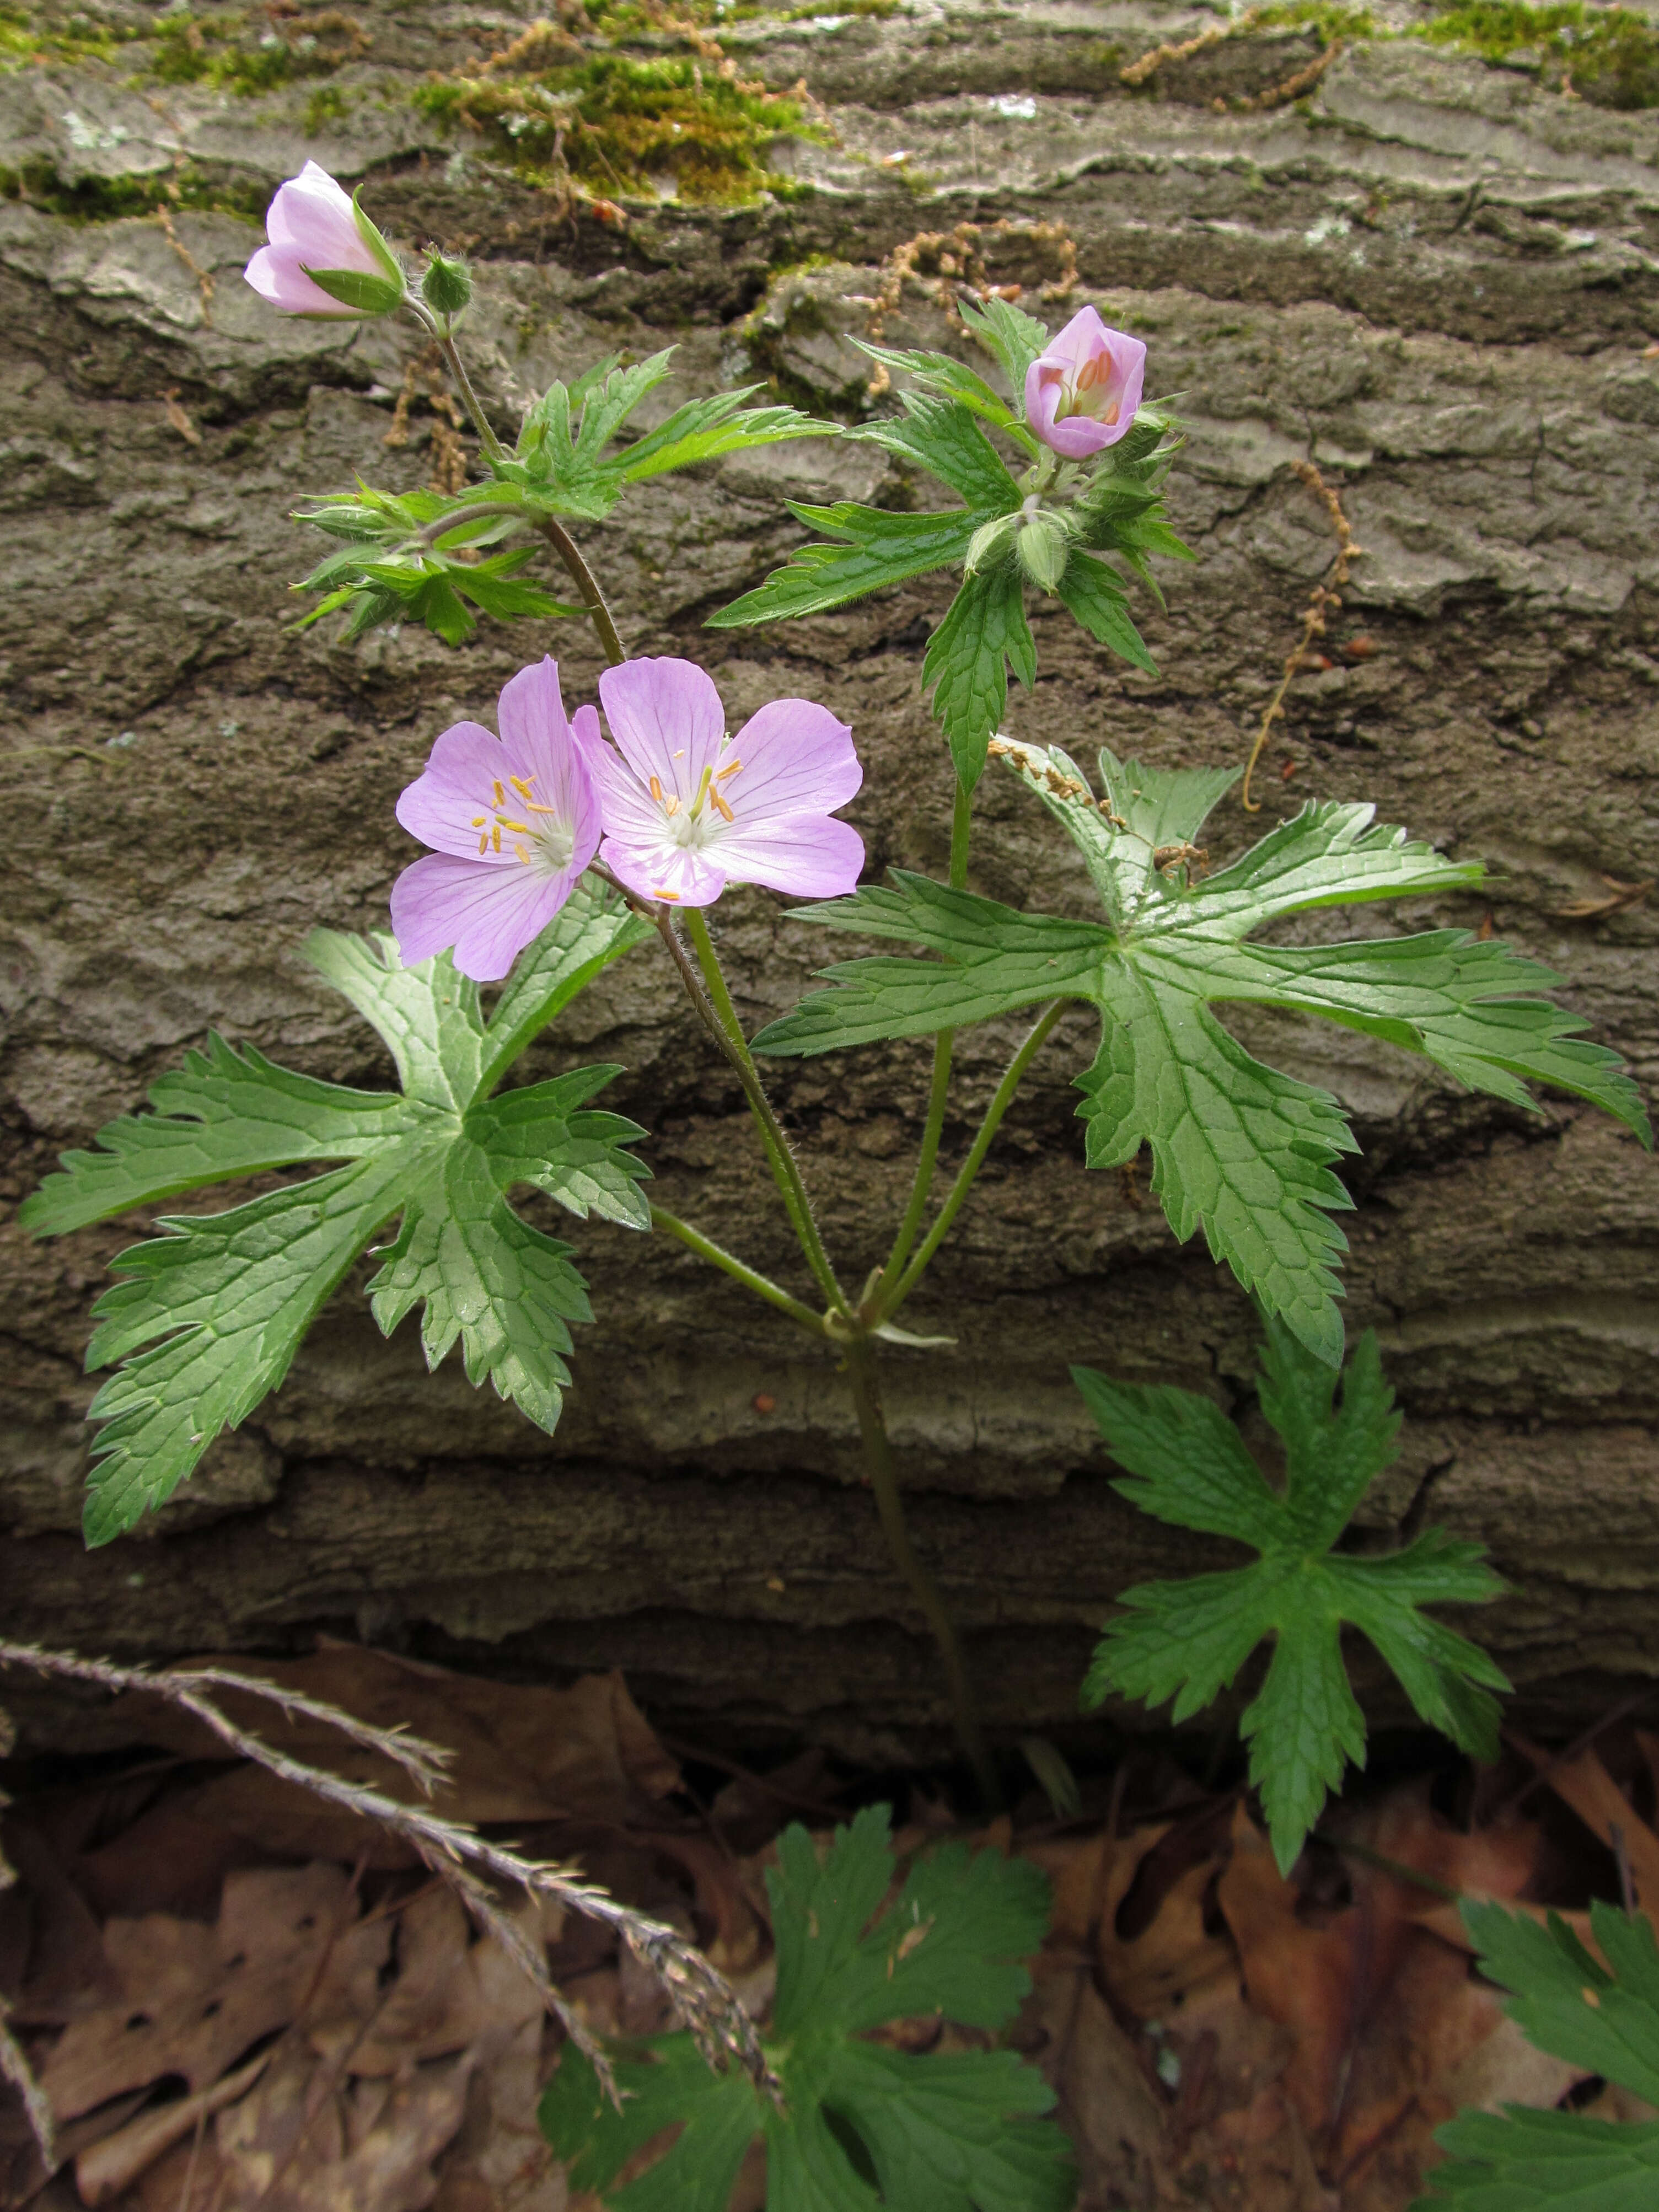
(588, 584)
(784, 1167)
(446, 346)
(939, 1090)
(860, 1369)
(750, 1278)
(1000, 1101)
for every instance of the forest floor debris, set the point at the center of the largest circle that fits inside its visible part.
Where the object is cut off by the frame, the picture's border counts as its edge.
(231, 1995)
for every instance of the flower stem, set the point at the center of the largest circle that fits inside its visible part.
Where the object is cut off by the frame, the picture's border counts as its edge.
(750, 1278)
(588, 584)
(446, 343)
(939, 1090)
(784, 1167)
(859, 1366)
(1000, 1101)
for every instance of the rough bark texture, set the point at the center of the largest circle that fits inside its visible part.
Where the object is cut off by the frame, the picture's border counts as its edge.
(1430, 275)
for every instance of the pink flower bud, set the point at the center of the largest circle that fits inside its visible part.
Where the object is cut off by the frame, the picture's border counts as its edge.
(1082, 391)
(315, 228)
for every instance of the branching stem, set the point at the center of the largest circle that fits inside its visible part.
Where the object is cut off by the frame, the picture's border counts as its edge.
(1001, 1100)
(939, 1088)
(750, 1278)
(588, 584)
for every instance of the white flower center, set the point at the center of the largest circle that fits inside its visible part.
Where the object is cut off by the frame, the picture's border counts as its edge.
(695, 827)
(539, 835)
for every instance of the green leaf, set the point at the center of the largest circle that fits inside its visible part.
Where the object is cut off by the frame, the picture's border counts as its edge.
(1602, 2018)
(1185, 1463)
(1239, 1150)
(984, 630)
(1097, 599)
(705, 430)
(953, 379)
(943, 436)
(1015, 338)
(962, 2131)
(207, 1318)
(875, 549)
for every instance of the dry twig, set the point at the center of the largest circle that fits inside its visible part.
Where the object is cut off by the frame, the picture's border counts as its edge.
(449, 470)
(1324, 596)
(1138, 72)
(451, 1850)
(940, 261)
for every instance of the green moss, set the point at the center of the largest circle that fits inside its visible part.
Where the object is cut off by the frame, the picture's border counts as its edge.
(79, 40)
(111, 199)
(242, 53)
(1329, 20)
(612, 124)
(328, 104)
(1610, 54)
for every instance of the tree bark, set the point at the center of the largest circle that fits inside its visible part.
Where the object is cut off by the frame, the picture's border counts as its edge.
(1428, 275)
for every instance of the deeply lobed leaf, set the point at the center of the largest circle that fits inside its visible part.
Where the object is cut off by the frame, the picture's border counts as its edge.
(1185, 1641)
(1239, 1149)
(208, 1316)
(963, 2131)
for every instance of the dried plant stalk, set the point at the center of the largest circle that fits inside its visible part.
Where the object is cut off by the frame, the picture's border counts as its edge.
(451, 1850)
(1324, 596)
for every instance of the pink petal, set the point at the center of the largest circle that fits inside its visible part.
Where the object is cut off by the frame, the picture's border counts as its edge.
(537, 746)
(1078, 437)
(795, 758)
(457, 785)
(276, 275)
(1084, 337)
(667, 720)
(486, 915)
(312, 216)
(807, 857)
(626, 807)
(656, 869)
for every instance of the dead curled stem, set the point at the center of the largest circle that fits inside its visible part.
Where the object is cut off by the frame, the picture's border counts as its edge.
(452, 1851)
(1324, 596)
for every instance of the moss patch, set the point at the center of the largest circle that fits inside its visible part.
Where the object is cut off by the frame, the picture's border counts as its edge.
(609, 123)
(247, 54)
(112, 199)
(1609, 54)
(79, 40)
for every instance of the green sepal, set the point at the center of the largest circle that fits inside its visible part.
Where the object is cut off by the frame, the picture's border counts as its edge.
(354, 289)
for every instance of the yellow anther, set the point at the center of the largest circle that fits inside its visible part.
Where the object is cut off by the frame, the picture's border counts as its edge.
(521, 784)
(670, 806)
(479, 821)
(718, 799)
(501, 795)
(523, 828)
(531, 807)
(656, 789)
(668, 895)
(730, 768)
(495, 836)
(484, 842)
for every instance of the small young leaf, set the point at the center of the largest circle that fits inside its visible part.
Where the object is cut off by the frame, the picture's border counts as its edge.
(1185, 1463)
(984, 630)
(957, 2131)
(1015, 338)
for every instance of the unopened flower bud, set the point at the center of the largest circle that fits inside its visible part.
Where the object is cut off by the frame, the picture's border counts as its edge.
(446, 287)
(1044, 545)
(324, 257)
(990, 542)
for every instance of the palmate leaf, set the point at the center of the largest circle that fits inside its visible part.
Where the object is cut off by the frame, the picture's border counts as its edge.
(960, 2131)
(1186, 1464)
(943, 428)
(1239, 1150)
(208, 1316)
(1604, 2018)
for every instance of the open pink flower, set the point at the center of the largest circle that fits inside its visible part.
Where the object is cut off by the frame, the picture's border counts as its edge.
(1082, 391)
(689, 809)
(515, 819)
(314, 225)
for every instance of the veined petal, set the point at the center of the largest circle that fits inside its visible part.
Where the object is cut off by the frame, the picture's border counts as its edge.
(667, 720)
(626, 807)
(808, 856)
(659, 869)
(442, 807)
(276, 275)
(486, 915)
(540, 748)
(312, 216)
(793, 757)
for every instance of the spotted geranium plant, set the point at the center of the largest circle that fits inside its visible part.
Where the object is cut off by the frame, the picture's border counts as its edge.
(559, 842)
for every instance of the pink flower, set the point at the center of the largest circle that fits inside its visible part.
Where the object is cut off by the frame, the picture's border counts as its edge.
(1082, 393)
(515, 819)
(315, 228)
(689, 809)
